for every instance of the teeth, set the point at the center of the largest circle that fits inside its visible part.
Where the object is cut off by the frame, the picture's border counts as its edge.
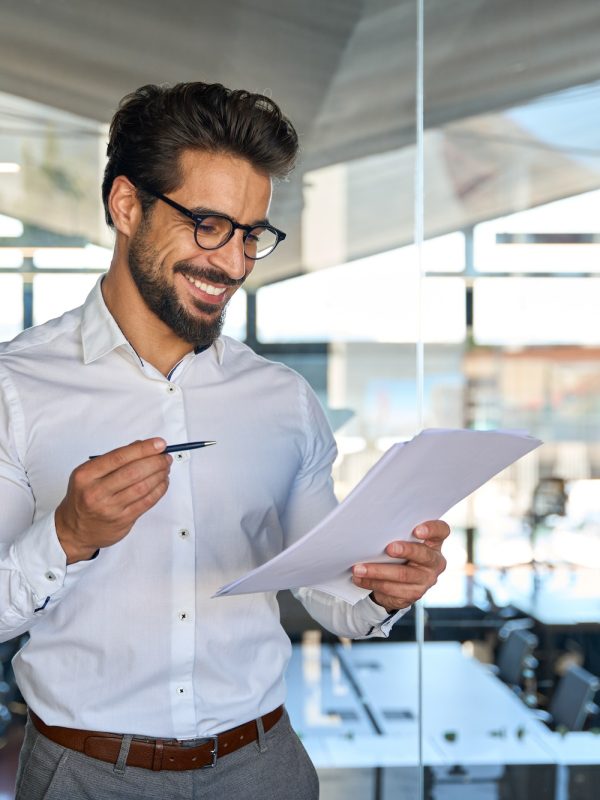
(208, 288)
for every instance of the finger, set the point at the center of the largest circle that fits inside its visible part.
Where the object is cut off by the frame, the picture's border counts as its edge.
(432, 532)
(114, 459)
(395, 573)
(137, 491)
(135, 472)
(143, 504)
(392, 587)
(413, 551)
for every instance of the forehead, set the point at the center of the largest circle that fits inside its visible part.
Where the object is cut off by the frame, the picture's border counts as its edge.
(223, 182)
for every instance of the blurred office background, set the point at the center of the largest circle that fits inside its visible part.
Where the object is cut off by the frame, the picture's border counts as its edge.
(503, 295)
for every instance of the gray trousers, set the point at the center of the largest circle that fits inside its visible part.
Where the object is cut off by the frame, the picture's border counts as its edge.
(275, 767)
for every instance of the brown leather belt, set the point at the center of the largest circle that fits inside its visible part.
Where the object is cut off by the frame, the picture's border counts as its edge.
(158, 754)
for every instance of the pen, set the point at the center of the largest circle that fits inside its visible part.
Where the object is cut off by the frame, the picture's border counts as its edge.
(176, 448)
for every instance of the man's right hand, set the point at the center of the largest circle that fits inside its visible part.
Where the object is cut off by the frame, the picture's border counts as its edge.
(107, 494)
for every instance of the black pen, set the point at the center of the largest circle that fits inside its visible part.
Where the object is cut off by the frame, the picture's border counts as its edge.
(176, 448)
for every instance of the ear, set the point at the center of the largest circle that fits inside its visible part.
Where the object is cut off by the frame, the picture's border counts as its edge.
(124, 205)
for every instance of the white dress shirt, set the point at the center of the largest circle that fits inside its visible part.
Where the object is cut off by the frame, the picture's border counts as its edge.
(132, 641)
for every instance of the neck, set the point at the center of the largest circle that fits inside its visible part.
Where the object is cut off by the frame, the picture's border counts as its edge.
(152, 340)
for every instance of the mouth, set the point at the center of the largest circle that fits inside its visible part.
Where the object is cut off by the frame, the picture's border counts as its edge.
(204, 290)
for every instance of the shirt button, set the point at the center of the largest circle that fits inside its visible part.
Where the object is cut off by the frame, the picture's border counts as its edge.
(184, 533)
(171, 388)
(180, 690)
(183, 615)
(50, 576)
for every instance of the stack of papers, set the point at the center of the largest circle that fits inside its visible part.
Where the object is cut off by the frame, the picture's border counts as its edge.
(413, 482)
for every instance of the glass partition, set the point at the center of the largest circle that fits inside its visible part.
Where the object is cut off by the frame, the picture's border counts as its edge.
(350, 322)
(512, 162)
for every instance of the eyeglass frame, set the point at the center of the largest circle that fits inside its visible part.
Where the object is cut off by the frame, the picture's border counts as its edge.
(198, 218)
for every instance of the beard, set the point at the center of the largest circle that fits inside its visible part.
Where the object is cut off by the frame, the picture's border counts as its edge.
(161, 297)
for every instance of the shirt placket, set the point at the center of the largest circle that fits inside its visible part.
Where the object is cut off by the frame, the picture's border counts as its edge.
(183, 545)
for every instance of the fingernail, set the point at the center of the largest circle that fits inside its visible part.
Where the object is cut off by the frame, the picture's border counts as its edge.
(421, 530)
(397, 549)
(359, 569)
(159, 444)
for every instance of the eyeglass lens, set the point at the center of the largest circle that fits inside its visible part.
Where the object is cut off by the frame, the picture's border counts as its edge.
(213, 232)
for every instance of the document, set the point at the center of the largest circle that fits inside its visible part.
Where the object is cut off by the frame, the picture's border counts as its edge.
(413, 482)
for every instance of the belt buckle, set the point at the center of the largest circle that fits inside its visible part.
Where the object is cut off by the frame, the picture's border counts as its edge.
(203, 740)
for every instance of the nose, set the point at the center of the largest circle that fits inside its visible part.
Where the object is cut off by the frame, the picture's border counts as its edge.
(230, 258)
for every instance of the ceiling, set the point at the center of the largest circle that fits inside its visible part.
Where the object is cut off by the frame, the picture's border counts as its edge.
(343, 70)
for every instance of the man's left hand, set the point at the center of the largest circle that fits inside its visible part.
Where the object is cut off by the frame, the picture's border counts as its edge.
(396, 586)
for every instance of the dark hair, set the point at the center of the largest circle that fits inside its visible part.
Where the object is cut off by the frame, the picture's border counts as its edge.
(155, 124)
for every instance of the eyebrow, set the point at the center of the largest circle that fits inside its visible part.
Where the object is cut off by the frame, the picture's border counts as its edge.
(201, 211)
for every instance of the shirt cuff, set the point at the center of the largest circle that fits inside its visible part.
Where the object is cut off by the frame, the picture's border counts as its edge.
(41, 558)
(377, 620)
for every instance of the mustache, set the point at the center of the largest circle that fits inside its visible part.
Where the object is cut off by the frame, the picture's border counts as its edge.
(208, 274)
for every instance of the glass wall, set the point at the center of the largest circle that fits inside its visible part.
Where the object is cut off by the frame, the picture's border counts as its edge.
(512, 161)
(501, 297)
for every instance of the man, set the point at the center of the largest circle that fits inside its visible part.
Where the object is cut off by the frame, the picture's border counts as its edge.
(136, 679)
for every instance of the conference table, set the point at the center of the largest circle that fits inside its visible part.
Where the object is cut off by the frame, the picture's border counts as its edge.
(356, 709)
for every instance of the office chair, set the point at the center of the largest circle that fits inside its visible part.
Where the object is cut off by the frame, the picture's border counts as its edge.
(572, 702)
(516, 664)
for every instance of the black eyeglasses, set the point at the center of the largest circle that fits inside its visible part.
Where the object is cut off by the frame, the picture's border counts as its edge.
(215, 230)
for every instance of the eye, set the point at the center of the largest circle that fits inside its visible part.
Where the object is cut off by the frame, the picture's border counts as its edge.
(207, 228)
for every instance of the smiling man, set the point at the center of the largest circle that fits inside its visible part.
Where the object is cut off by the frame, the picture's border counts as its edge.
(183, 262)
(139, 683)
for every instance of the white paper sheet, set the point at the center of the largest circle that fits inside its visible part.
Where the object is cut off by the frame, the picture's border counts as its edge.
(412, 482)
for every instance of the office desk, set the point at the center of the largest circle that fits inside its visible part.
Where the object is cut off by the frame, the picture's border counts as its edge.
(338, 730)
(469, 716)
(356, 712)
(334, 723)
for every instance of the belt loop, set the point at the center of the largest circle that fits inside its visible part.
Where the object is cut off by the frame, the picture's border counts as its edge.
(157, 756)
(123, 753)
(262, 739)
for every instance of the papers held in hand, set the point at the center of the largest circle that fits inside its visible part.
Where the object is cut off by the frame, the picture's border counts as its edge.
(412, 482)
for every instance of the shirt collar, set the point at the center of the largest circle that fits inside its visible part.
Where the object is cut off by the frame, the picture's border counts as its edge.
(100, 333)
